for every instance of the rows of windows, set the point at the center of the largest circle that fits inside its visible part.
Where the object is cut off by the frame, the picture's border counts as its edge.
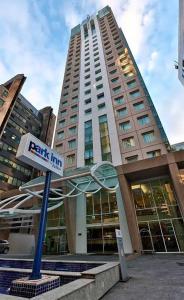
(143, 120)
(71, 131)
(9, 179)
(148, 137)
(14, 165)
(63, 123)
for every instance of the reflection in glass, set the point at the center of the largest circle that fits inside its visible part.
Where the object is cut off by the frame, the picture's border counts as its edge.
(146, 214)
(171, 244)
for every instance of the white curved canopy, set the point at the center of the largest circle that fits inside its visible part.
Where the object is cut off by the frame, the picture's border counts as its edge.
(81, 180)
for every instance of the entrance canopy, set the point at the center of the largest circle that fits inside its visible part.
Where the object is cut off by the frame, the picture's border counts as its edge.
(74, 183)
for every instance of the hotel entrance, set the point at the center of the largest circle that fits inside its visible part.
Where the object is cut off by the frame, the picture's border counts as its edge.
(102, 220)
(159, 219)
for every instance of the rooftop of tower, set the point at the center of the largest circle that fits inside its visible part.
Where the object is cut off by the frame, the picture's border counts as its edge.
(100, 14)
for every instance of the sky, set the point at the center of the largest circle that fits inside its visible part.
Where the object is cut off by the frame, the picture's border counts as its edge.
(34, 41)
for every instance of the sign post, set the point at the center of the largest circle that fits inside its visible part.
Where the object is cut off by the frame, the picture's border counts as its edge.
(35, 153)
(42, 228)
(123, 266)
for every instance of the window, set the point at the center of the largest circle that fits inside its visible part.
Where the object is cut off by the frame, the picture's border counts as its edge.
(70, 159)
(143, 120)
(131, 158)
(96, 53)
(154, 153)
(75, 90)
(148, 137)
(88, 111)
(110, 58)
(128, 74)
(96, 59)
(113, 71)
(87, 76)
(74, 107)
(61, 135)
(98, 71)
(72, 144)
(87, 92)
(119, 100)
(72, 130)
(104, 138)
(62, 123)
(87, 101)
(128, 143)
(88, 138)
(131, 84)
(101, 106)
(97, 65)
(88, 83)
(109, 52)
(87, 58)
(75, 99)
(122, 112)
(100, 96)
(87, 70)
(139, 106)
(73, 119)
(100, 86)
(98, 78)
(125, 126)
(95, 48)
(63, 113)
(87, 64)
(117, 89)
(135, 94)
(1, 102)
(115, 79)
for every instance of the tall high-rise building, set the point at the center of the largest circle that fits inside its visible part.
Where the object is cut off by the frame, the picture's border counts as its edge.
(181, 42)
(106, 114)
(104, 99)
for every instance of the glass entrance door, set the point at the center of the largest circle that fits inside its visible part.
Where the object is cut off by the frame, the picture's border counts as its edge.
(56, 241)
(160, 223)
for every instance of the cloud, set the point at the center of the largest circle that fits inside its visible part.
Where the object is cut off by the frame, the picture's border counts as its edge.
(35, 36)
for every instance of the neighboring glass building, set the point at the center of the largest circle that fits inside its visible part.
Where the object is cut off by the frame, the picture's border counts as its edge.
(106, 114)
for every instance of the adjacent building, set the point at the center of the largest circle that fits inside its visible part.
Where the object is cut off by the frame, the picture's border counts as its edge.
(181, 42)
(19, 117)
(106, 114)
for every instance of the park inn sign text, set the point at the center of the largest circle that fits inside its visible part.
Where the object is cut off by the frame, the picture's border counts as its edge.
(38, 155)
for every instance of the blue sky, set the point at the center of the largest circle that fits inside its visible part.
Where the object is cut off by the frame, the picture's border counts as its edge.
(34, 41)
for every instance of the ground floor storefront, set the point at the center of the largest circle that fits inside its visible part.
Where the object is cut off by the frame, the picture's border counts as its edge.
(148, 207)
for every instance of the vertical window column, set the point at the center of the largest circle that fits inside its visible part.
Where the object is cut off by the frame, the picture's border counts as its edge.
(88, 148)
(104, 138)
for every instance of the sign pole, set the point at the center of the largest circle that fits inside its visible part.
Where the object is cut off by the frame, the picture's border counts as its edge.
(123, 266)
(42, 227)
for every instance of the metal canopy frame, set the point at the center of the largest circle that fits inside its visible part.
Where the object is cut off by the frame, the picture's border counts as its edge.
(78, 181)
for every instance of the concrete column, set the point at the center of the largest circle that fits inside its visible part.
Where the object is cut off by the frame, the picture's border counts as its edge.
(81, 231)
(70, 217)
(123, 223)
(178, 186)
(130, 214)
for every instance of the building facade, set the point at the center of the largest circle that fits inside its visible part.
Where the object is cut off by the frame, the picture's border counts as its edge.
(19, 117)
(106, 114)
(181, 42)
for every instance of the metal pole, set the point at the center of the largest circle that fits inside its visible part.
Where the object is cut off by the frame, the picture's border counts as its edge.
(42, 227)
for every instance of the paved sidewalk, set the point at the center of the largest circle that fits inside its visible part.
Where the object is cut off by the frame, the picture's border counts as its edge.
(153, 277)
